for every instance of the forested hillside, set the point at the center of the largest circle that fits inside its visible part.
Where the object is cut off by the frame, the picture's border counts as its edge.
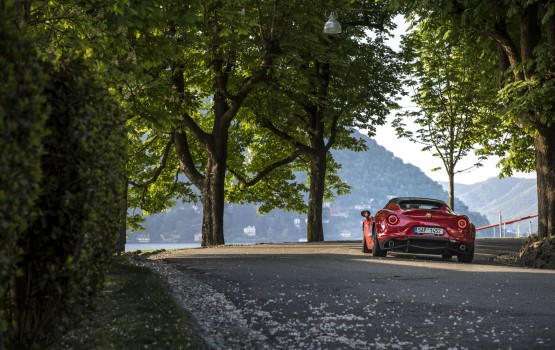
(375, 176)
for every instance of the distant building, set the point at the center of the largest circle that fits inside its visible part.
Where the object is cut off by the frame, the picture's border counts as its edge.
(339, 212)
(170, 238)
(249, 231)
(143, 238)
(345, 234)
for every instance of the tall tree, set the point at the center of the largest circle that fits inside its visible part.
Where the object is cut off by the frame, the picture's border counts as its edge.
(327, 86)
(454, 92)
(184, 72)
(524, 35)
(232, 81)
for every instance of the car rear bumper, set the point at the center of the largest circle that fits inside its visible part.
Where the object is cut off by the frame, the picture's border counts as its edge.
(424, 245)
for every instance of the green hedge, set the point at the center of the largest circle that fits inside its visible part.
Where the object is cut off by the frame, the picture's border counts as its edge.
(23, 113)
(65, 237)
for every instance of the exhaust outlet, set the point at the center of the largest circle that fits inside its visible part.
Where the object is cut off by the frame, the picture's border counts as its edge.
(462, 247)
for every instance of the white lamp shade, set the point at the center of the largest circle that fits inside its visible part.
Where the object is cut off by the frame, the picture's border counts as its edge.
(332, 26)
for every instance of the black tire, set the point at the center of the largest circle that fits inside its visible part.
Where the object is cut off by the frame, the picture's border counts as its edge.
(364, 246)
(466, 257)
(376, 250)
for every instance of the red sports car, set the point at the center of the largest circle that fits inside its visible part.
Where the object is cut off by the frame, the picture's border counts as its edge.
(418, 225)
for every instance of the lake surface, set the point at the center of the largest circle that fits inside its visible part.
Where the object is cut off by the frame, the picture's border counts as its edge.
(154, 246)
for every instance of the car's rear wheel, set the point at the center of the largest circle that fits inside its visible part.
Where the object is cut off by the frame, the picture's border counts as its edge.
(364, 246)
(466, 257)
(376, 250)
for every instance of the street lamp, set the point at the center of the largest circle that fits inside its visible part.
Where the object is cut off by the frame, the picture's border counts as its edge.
(332, 26)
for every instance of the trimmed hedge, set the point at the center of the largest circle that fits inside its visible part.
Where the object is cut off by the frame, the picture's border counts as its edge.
(67, 235)
(23, 113)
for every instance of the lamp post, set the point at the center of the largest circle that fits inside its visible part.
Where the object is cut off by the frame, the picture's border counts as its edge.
(332, 26)
(370, 15)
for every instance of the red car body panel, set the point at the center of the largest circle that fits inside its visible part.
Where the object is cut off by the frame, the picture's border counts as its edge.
(419, 225)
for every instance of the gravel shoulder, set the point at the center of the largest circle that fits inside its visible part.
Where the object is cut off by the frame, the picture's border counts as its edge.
(217, 321)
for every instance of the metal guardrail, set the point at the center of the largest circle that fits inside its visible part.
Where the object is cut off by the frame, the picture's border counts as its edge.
(506, 222)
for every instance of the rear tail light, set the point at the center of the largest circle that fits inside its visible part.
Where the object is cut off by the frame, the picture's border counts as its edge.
(392, 219)
(462, 223)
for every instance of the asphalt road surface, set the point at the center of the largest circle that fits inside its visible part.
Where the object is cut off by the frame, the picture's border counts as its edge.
(332, 296)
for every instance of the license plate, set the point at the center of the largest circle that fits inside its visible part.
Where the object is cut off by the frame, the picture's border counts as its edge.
(436, 231)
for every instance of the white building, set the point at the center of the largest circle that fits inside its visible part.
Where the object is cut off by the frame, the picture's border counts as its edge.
(249, 231)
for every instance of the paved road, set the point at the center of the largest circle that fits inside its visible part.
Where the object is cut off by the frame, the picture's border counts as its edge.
(332, 296)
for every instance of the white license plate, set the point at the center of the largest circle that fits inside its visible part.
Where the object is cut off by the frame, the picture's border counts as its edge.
(428, 231)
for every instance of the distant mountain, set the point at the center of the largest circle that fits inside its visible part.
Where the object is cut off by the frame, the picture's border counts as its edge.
(375, 176)
(514, 197)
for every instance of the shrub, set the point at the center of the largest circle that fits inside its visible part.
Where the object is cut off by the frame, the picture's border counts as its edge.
(23, 114)
(66, 250)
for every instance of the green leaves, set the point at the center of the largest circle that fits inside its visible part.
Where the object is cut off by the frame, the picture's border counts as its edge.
(455, 103)
(517, 33)
(23, 115)
(69, 140)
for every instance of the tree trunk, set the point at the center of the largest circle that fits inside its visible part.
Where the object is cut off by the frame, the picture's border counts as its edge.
(452, 189)
(315, 230)
(544, 142)
(211, 185)
(120, 246)
(213, 204)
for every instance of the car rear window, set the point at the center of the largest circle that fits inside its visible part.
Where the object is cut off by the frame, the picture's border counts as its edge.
(421, 205)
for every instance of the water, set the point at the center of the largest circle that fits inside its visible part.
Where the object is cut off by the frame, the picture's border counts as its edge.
(155, 246)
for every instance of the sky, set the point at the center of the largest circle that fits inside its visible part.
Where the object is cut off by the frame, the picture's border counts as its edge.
(411, 152)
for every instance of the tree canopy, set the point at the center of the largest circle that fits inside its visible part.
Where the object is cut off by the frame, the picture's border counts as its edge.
(331, 86)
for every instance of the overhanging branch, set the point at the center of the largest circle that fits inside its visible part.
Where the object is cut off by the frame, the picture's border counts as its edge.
(333, 132)
(186, 162)
(262, 174)
(158, 169)
(286, 137)
(500, 35)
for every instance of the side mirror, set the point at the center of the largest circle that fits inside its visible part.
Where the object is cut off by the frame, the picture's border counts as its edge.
(365, 213)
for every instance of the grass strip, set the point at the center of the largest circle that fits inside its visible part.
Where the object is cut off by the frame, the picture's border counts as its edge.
(133, 311)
